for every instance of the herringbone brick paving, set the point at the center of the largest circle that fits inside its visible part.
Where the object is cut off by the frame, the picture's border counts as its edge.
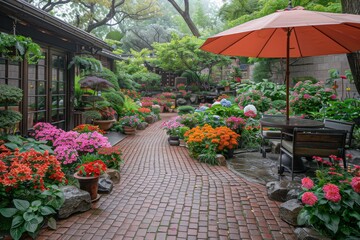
(164, 194)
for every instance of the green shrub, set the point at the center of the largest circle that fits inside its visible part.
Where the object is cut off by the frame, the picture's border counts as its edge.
(110, 76)
(10, 94)
(278, 104)
(92, 115)
(185, 110)
(116, 100)
(9, 118)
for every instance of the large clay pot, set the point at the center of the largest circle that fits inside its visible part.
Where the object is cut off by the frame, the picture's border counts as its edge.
(104, 124)
(89, 184)
(129, 130)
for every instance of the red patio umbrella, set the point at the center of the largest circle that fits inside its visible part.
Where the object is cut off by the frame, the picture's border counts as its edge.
(293, 32)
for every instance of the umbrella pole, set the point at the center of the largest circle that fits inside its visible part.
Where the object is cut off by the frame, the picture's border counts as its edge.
(287, 74)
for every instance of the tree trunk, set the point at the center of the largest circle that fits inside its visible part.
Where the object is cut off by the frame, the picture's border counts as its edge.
(353, 7)
(186, 16)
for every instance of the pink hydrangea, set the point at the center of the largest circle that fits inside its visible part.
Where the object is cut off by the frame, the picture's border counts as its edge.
(355, 184)
(307, 183)
(333, 97)
(250, 113)
(307, 96)
(309, 198)
(332, 192)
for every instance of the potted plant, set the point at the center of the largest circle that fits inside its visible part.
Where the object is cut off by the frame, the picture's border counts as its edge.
(18, 48)
(226, 84)
(172, 128)
(9, 96)
(88, 177)
(129, 124)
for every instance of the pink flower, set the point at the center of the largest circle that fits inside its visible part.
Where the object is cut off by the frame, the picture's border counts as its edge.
(332, 192)
(309, 198)
(250, 113)
(307, 96)
(349, 156)
(333, 97)
(355, 184)
(342, 77)
(307, 183)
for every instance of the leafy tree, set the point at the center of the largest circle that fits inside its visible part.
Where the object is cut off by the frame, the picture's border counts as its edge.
(183, 54)
(185, 14)
(266, 7)
(90, 14)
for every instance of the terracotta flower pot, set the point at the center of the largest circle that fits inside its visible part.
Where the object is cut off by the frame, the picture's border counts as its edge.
(104, 124)
(129, 130)
(89, 184)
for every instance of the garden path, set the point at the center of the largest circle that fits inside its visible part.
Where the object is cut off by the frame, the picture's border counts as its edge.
(164, 194)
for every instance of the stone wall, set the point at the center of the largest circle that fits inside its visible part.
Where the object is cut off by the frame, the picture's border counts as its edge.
(318, 68)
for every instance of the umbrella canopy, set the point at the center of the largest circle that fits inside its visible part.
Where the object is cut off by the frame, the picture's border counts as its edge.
(95, 83)
(294, 32)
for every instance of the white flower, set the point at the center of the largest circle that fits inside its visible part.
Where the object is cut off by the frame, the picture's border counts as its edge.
(216, 103)
(250, 107)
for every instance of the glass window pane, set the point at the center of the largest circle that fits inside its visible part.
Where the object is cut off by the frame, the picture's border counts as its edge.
(61, 87)
(14, 70)
(41, 87)
(2, 68)
(31, 88)
(54, 74)
(41, 73)
(32, 72)
(61, 75)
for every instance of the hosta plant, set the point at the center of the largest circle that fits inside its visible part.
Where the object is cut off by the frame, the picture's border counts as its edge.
(332, 200)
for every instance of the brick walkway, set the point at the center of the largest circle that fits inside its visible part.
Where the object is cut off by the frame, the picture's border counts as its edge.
(164, 194)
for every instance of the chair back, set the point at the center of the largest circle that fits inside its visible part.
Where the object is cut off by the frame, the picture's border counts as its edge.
(310, 142)
(341, 125)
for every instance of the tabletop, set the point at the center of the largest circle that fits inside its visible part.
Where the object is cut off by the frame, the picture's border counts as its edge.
(281, 122)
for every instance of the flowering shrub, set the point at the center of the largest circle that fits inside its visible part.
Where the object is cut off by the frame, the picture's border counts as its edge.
(107, 113)
(256, 98)
(130, 121)
(28, 177)
(172, 126)
(189, 120)
(332, 201)
(85, 128)
(131, 93)
(69, 145)
(111, 156)
(144, 110)
(308, 97)
(181, 86)
(225, 103)
(92, 169)
(199, 139)
(46, 131)
(235, 123)
(28, 169)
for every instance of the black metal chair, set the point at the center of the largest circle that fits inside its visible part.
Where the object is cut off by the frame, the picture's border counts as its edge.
(341, 125)
(274, 133)
(309, 142)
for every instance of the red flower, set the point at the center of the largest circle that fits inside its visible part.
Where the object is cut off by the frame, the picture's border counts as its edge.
(332, 192)
(92, 169)
(309, 198)
(307, 183)
(355, 184)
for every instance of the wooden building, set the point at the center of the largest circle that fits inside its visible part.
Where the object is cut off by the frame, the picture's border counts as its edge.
(48, 86)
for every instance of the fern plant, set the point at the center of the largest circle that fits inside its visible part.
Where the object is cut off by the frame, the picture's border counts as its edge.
(87, 65)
